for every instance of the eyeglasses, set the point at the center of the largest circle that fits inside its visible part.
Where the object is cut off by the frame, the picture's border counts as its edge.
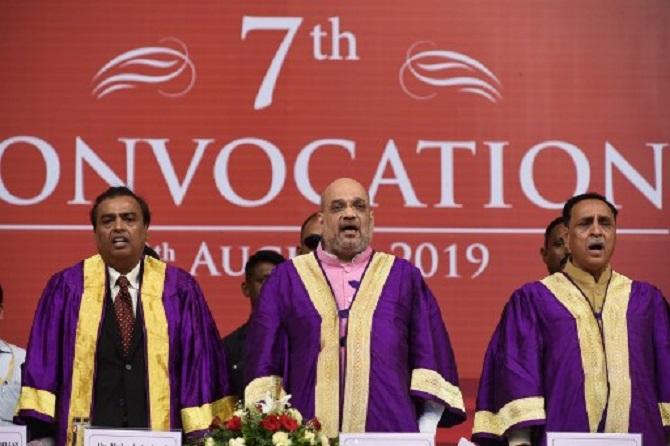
(312, 241)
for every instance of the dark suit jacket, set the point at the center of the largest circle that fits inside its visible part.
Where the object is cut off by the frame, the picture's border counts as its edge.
(233, 345)
(120, 387)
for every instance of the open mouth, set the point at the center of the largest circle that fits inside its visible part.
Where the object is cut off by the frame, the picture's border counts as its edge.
(596, 247)
(119, 241)
(349, 230)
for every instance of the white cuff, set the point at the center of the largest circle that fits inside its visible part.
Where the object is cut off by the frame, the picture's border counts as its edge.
(44, 441)
(432, 412)
(518, 437)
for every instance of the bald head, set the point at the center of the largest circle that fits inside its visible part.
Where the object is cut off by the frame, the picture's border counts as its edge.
(346, 218)
(340, 186)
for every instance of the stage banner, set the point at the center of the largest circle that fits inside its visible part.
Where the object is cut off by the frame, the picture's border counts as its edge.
(469, 122)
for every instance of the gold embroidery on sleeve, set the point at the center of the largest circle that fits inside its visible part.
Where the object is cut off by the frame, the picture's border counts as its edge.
(41, 401)
(512, 413)
(665, 413)
(200, 418)
(429, 381)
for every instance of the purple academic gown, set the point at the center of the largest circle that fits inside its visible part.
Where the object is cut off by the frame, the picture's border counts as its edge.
(398, 353)
(550, 366)
(186, 373)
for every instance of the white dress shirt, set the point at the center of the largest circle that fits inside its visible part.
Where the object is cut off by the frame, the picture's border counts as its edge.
(11, 358)
(133, 288)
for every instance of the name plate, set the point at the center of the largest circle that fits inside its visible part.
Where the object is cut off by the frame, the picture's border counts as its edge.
(13, 436)
(130, 437)
(387, 439)
(591, 439)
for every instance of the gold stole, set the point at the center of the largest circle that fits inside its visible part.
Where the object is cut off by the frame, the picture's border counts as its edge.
(601, 363)
(86, 341)
(327, 392)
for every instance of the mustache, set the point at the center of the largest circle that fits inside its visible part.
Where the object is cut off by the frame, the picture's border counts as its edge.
(595, 243)
(349, 224)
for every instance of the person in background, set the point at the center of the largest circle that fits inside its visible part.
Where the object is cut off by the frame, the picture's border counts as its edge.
(256, 270)
(11, 359)
(584, 350)
(122, 338)
(310, 234)
(353, 335)
(555, 251)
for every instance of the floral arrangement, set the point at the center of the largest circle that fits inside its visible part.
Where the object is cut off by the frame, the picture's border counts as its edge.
(269, 422)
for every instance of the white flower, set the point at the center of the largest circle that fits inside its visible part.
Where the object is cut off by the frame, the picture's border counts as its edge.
(239, 413)
(269, 404)
(237, 441)
(324, 440)
(295, 413)
(309, 436)
(266, 403)
(283, 403)
(209, 441)
(281, 439)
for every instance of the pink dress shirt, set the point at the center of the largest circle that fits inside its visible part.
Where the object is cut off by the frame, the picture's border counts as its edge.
(344, 279)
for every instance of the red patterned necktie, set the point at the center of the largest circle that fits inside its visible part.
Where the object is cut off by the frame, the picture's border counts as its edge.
(123, 308)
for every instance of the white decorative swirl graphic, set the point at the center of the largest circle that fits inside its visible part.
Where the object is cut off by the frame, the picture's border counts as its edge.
(145, 65)
(435, 68)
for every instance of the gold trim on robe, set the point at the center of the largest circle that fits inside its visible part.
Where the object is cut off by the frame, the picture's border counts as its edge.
(664, 408)
(157, 344)
(590, 345)
(512, 413)
(86, 341)
(326, 395)
(615, 329)
(41, 401)
(200, 418)
(429, 381)
(257, 389)
(359, 333)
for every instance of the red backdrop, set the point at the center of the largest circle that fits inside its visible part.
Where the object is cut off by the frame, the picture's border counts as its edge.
(471, 122)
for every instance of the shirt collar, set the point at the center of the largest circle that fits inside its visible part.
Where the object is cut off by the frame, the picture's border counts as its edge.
(585, 280)
(133, 276)
(333, 260)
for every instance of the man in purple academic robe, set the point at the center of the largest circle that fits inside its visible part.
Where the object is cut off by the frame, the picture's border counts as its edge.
(583, 350)
(122, 339)
(354, 336)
